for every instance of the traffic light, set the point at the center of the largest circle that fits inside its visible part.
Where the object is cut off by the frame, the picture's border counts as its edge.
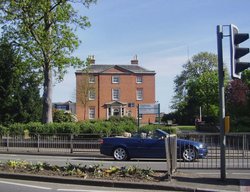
(237, 52)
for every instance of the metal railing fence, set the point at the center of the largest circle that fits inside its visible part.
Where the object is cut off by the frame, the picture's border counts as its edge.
(237, 146)
(66, 143)
(237, 150)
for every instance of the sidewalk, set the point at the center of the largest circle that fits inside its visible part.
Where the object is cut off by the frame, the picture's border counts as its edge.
(208, 182)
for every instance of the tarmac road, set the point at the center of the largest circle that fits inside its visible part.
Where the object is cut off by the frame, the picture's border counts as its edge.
(202, 179)
(154, 164)
(14, 185)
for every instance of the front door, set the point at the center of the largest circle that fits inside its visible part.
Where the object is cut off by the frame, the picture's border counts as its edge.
(116, 112)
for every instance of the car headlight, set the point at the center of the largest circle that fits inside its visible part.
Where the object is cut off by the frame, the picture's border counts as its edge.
(201, 146)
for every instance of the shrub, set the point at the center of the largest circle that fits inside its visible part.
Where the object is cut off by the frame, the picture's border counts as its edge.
(3, 130)
(17, 128)
(122, 124)
(147, 128)
(35, 127)
(104, 127)
(122, 119)
(60, 116)
(241, 124)
(86, 126)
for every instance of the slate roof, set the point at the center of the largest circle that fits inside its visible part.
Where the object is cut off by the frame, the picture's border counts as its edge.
(96, 68)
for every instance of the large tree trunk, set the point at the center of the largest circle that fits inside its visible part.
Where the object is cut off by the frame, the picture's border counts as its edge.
(47, 86)
(47, 96)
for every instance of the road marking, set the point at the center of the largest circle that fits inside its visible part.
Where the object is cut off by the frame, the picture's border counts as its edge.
(25, 185)
(82, 190)
(240, 173)
(75, 190)
(209, 173)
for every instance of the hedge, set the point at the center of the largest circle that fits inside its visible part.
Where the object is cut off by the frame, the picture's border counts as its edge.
(106, 128)
(147, 128)
(114, 126)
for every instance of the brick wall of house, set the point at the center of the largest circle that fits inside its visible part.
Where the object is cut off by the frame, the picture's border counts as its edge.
(103, 87)
(82, 98)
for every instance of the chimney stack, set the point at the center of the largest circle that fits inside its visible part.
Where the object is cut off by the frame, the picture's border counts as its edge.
(134, 61)
(91, 59)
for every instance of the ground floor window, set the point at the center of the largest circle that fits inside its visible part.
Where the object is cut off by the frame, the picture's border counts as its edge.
(91, 113)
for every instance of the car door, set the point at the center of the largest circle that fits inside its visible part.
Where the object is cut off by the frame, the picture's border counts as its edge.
(154, 148)
(145, 148)
(135, 147)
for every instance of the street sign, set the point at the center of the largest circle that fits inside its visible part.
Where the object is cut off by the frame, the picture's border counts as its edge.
(149, 108)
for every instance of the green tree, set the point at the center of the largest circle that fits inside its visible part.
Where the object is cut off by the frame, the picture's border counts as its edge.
(203, 92)
(45, 32)
(193, 69)
(19, 88)
(197, 86)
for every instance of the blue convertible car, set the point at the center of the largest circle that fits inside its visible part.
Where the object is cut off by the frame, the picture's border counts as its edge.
(150, 146)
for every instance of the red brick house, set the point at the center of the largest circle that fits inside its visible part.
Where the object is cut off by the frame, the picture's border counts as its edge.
(103, 91)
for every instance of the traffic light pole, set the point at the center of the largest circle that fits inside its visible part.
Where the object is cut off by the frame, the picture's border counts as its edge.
(222, 102)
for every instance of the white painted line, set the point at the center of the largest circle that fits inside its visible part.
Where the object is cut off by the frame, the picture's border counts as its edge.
(25, 185)
(81, 190)
(240, 173)
(209, 173)
(75, 190)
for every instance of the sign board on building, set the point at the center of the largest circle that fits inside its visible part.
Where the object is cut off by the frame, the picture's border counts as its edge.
(149, 108)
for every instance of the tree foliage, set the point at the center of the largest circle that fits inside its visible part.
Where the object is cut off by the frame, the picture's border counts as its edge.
(203, 92)
(238, 102)
(61, 116)
(197, 86)
(19, 88)
(45, 32)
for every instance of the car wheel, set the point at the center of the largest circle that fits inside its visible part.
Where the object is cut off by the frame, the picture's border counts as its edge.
(120, 154)
(189, 154)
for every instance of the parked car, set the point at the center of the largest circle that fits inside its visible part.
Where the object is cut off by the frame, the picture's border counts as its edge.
(151, 145)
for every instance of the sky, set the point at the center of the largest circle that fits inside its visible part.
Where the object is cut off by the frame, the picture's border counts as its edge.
(163, 34)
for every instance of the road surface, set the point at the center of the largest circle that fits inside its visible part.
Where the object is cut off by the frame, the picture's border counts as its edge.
(12, 185)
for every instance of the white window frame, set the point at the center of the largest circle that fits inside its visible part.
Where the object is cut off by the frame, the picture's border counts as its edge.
(139, 94)
(139, 79)
(116, 79)
(92, 94)
(91, 79)
(115, 94)
(91, 112)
